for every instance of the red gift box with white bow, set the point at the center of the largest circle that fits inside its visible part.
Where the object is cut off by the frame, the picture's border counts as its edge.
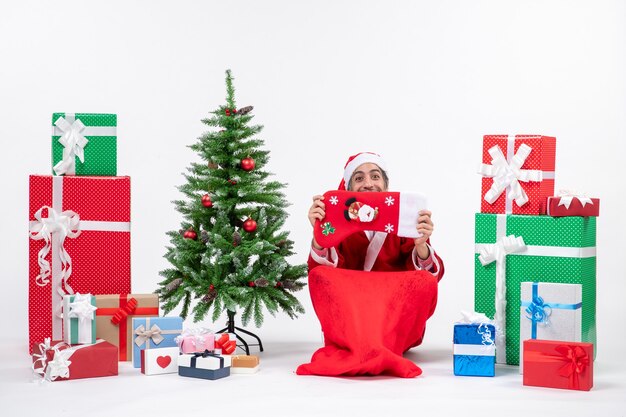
(79, 243)
(518, 173)
(558, 364)
(58, 361)
(571, 204)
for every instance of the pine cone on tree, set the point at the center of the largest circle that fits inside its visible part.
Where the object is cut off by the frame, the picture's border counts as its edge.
(213, 165)
(210, 295)
(236, 238)
(261, 282)
(174, 284)
(204, 237)
(245, 110)
(288, 285)
(181, 232)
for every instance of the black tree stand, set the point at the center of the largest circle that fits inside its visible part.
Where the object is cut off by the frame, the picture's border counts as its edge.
(231, 328)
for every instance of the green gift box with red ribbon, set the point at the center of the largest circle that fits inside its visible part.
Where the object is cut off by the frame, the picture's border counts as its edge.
(511, 249)
(114, 318)
(84, 144)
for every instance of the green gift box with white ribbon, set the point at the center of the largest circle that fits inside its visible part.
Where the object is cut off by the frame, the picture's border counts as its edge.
(84, 144)
(511, 249)
(79, 319)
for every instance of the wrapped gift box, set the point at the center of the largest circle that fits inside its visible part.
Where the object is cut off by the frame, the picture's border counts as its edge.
(474, 349)
(560, 250)
(196, 340)
(550, 312)
(79, 319)
(204, 365)
(114, 318)
(79, 242)
(84, 144)
(561, 206)
(507, 186)
(558, 364)
(154, 332)
(159, 361)
(244, 364)
(57, 361)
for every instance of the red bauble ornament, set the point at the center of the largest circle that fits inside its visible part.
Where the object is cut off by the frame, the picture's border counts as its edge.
(227, 111)
(279, 284)
(190, 234)
(251, 284)
(232, 182)
(206, 201)
(249, 225)
(247, 164)
(234, 111)
(211, 287)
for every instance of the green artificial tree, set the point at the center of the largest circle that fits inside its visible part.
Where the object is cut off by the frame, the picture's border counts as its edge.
(230, 254)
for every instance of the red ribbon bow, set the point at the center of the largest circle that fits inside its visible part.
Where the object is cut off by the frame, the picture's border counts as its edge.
(123, 312)
(228, 346)
(576, 360)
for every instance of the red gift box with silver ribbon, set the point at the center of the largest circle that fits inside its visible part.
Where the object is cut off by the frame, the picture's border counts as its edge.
(518, 173)
(558, 364)
(570, 203)
(79, 243)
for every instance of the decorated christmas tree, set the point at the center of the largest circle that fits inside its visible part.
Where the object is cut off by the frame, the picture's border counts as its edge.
(231, 254)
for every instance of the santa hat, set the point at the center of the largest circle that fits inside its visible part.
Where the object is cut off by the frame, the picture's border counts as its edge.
(356, 161)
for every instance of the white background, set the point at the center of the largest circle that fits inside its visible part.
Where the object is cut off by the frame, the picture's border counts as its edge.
(418, 82)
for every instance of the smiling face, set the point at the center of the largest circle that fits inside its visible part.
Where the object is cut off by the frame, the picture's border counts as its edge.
(368, 177)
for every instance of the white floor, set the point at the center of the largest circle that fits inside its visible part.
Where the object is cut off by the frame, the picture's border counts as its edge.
(277, 391)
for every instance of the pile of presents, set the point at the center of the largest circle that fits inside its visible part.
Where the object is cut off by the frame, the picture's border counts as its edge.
(535, 271)
(82, 318)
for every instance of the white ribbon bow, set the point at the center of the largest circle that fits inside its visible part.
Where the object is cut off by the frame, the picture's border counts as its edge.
(65, 224)
(143, 335)
(508, 175)
(504, 246)
(567, 196)
(58, 367)
(73, 143)
(81, 308)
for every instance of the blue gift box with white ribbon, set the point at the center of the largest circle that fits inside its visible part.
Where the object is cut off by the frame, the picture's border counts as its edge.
(474, 349)
(550, 311)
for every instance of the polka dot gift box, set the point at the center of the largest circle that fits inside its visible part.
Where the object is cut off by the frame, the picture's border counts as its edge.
(79, 243)
(518, 173)
(513, 249)
(84, 144)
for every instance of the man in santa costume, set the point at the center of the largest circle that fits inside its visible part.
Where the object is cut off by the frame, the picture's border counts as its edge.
(373, 291)
(362, 173)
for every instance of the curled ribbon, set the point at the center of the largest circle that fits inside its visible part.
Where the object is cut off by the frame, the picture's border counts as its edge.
(144, 335)
(508, 175)
(64, 224)
(576, 361)
(123, 312)
(497, 253)
(568, 196)
(73, 143)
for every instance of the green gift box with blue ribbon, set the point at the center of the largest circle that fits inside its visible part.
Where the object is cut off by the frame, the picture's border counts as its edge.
(550, 311)
(511, 249)
(84, 144)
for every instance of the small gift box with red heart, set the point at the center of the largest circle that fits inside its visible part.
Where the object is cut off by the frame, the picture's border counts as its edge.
(159, 361)
(154, 332)
(196, 340)
(558, 364)
(570, 204)
(225, 343)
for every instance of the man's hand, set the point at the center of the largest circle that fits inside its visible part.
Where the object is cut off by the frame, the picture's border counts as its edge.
(425, 227)
(317, 212)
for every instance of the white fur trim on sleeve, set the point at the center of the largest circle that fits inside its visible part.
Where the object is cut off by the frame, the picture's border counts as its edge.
(334, 259)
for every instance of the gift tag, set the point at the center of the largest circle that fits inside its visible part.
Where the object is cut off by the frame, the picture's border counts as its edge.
(159, 361)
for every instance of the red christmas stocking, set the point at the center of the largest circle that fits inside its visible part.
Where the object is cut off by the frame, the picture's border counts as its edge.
(348, 212)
